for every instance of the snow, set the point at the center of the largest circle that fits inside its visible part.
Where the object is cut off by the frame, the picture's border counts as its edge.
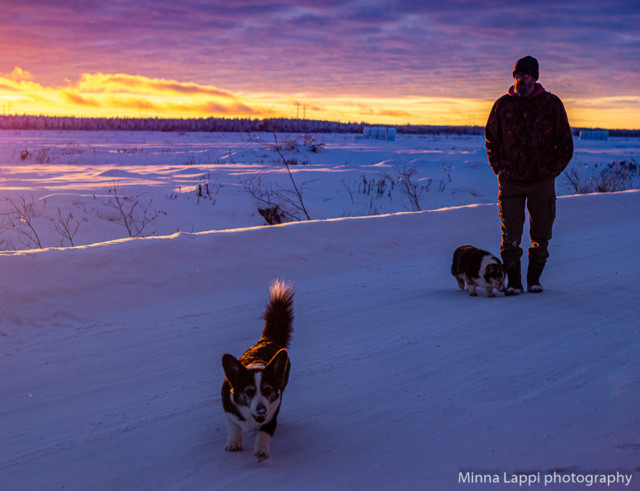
(111, 350)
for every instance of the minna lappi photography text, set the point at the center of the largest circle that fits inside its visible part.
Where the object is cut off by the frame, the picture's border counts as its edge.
(615, 480)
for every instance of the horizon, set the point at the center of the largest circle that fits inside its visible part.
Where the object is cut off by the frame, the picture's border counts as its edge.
(254, 119)
(392, 63)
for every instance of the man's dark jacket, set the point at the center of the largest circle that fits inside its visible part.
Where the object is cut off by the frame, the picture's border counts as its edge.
(528, 138)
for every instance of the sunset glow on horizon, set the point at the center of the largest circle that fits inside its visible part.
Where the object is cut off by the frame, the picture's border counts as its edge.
(375, 62)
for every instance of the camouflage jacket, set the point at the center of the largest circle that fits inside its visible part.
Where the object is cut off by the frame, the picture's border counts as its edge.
(528, 138)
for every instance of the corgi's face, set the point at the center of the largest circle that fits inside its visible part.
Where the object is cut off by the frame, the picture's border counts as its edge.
(256, 390)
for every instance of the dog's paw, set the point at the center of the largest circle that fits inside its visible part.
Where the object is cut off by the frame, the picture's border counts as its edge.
(233, 446)
(261, 447)
(262, 453)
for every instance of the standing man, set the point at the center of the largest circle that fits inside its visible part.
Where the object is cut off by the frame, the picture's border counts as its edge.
(529, 143)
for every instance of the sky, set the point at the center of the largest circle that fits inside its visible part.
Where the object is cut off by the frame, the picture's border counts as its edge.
(394, 62)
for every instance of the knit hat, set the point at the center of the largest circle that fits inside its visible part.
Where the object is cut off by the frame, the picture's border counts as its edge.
(528, 64)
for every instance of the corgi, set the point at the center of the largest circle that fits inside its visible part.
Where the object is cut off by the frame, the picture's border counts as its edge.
(254, 383)
(478, 268)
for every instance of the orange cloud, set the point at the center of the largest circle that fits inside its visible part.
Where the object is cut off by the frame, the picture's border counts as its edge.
(104, 82)
(605, 112)
(18, 74)
(111, 95)
(193, 108)
(122, 95)
(77, 99)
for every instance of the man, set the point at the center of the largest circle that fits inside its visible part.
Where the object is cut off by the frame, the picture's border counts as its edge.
(529, 143)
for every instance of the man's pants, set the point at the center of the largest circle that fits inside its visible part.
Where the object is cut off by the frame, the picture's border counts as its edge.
(540, 201)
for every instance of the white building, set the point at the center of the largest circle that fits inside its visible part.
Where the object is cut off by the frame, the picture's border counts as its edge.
(594, 135)
(379, 133)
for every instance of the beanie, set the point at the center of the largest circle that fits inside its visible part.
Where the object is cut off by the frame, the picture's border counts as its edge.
(528, 64)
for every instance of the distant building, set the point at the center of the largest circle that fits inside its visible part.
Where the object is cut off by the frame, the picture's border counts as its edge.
(379, 133)
(594, 135)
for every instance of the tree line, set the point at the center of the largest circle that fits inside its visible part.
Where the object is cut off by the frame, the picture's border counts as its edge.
(281, 125)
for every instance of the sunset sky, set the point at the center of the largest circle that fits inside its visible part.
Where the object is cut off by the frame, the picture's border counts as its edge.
(391, 62)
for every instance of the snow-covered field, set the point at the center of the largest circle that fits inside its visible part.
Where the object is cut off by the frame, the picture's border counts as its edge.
(59, 188)
(110, 350)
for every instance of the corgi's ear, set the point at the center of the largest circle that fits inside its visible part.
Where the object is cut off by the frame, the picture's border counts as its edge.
(233, 369)
(279, 365)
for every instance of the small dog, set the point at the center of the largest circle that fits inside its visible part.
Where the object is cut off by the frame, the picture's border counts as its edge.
(253, 387)
(478, 268)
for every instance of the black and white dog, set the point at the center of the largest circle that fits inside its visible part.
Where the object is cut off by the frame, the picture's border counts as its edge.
(253, 387)
(478, 268)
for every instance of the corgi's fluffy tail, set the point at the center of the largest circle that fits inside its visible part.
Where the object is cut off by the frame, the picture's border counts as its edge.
(278, 317)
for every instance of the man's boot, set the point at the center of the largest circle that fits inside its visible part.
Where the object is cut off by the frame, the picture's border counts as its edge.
(514, 279)
(533, 276)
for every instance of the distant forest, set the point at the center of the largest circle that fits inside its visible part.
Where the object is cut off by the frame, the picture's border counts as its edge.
(280, 125)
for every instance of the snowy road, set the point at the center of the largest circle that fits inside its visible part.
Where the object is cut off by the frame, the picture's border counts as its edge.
(111, 373)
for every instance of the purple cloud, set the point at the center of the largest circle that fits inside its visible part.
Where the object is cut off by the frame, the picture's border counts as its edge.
(461, 48)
